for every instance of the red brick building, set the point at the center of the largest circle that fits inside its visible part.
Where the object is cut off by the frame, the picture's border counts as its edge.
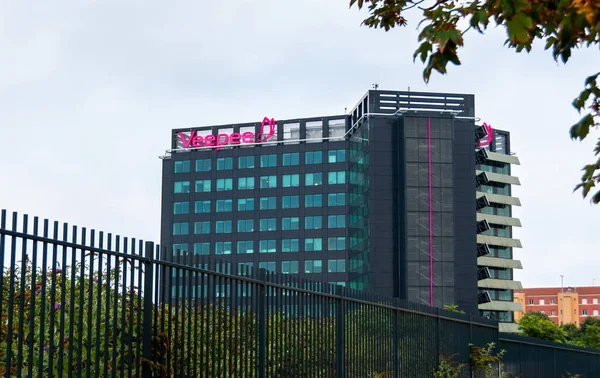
(563, 306)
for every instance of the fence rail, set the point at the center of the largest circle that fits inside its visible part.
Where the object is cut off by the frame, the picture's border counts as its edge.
(76, 302)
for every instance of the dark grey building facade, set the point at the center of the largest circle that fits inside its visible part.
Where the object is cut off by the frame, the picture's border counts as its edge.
(381, 199)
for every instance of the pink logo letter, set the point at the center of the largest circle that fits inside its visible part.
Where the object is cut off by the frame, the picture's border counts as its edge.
(264, 136)
(488, 139)
(186, 143)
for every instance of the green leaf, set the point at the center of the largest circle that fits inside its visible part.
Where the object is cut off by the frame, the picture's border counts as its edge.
(582, 128)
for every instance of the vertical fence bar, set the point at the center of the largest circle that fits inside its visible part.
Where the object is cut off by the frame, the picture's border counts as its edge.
(262, 293)
(24, 258)
(33, 292)
(81, 304)
(147, 321)
(396, 362)
(339, 330)
(115, 308)
(11, 294)
(107, 321)
(63, 301)
(73, 271)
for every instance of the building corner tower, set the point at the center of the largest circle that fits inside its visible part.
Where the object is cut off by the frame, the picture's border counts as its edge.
(495, 222)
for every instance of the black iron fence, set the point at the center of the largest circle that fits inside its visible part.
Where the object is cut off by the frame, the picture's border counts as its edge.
(77, 302)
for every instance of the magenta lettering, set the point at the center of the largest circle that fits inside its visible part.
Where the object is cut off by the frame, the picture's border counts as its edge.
(248, 137)
(222, 140)
(267, 130)
(235, 138)
(197, 141)
(186, 143)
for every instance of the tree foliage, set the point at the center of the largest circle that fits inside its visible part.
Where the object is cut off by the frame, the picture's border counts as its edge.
(586, 335)
(564, 25)
(538, 325)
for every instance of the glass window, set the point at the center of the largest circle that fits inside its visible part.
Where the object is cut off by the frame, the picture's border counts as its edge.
(223, 227)
(291, 159)
(584, 312)
(223, 248)
(289, 245)
(336, 178)
(542, 301)
(180, 249)
(224, 163)
(552, 301)
(245, 183)
(267, 246)
(268, 203)
(583, 301)
(291, 180)
(245, 225)
(271, 266)
(181, 228)
(245, 162)
(202, 207)
(224, 206)
(313, 200)
(292, 223)
(313, 223)
(244, 268)
(313, 157)
(313, 244)
(182, 187)
(202, 228)
(531, 301)
(291, 131)
(290, 202)
(314, 131)
(595, 301)
(595, 312)
(336, 199)
(336, 221)
(336, 244)
(245, 204)
(203, 186)
(203, 165)
(268, 224)
(313, 266)
(313, 179)
(336, 266)
(336, 156)
(289, 267)
(268, 182)
(181, 208)
(201, 248)
(224, 184)
(268, 160)
(182, 166)
(337, 127)
(245, 247)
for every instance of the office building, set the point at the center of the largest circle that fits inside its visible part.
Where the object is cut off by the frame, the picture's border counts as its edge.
(380, 199)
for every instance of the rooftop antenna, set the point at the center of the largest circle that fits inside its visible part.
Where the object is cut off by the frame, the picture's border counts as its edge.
(345, 110)
(375, 86)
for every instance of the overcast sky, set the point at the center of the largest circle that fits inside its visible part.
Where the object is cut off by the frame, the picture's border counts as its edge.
(89, 91)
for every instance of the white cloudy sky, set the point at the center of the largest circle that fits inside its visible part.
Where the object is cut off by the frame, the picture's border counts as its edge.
(90, 89)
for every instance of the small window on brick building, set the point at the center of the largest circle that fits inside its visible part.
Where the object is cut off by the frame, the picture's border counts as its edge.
(531, 301)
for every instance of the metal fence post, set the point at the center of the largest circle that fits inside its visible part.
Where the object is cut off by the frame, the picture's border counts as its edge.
(339, 333)
(262, 294)
(396, 336)
(147, 316)
(438, 335)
